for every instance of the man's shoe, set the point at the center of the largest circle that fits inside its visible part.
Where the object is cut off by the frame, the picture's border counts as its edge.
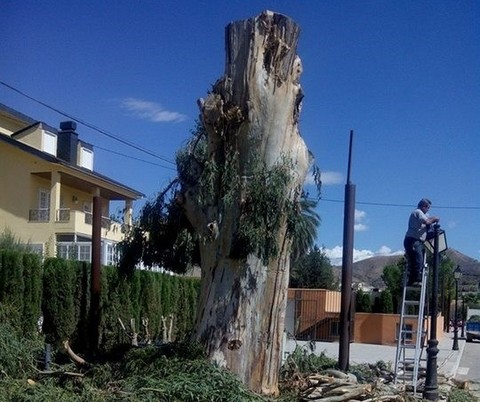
(414, 283)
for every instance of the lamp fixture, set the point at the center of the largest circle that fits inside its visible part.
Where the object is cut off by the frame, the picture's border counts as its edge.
(442, 241)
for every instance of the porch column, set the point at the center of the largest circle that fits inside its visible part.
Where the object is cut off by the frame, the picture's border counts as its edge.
(128, 215)
(55, 191)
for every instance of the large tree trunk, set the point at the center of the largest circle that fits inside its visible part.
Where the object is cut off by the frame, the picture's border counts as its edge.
(252, 112)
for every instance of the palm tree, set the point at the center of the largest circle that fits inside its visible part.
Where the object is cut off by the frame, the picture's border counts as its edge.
(304, 228)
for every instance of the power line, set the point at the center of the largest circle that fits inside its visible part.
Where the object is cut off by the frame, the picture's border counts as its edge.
(139, 148)
(89, 125)
(134, 158)
(383, 204)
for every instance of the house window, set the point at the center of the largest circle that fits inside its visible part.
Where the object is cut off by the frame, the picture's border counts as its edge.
(84, 252)
(68, 251)
(110, 254)
(86, 158)
(74, 251)
(49, 143)
(35, 248)
(42, 214)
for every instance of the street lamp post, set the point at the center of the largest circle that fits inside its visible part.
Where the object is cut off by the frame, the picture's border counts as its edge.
(457, 274)
(436, 244)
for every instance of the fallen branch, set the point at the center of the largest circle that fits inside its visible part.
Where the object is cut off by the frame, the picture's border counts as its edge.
(73, 356)
(56, 372)
(61, 373)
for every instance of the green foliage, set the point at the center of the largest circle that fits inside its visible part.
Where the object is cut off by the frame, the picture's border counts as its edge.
(18, 351)
(461, 395)
(313, 271)
(386, 302)
(32, 295)
(363, 302)
(58, 302)
(162, 236)
(262, 210)
(8, 241)
(393, 278)
(369, 373)
(176, 372)
(300, 361)
(20, 286)
(302, 226)
(471, 299)
(12, 284)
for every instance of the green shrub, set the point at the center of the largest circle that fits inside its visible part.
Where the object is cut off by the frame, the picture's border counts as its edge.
(18, 352)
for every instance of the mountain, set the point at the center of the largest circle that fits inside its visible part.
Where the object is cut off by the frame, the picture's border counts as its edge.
(370, 270)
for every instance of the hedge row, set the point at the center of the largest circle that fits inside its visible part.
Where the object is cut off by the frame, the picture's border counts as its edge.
(21, 288)
(59, 290)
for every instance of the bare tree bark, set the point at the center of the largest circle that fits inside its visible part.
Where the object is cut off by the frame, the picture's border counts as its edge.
(252, 112)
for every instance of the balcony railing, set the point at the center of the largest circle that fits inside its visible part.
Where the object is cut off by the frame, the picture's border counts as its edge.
(106, 222)
(39, 215)
(63, 215)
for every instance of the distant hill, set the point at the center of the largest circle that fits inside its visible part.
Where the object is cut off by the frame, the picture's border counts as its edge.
(370, 270)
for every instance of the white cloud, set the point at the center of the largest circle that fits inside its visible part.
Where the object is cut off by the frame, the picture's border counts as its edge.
(331, 178)
(360, 218)
(360, 227)
(335, 254)
(150, 111)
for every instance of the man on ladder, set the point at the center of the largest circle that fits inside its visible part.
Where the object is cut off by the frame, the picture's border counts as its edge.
(418, 224)
(412, 332)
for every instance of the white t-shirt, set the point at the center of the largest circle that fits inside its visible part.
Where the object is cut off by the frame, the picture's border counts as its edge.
(417, 227)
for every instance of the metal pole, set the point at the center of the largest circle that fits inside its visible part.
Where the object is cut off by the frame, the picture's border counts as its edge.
(455, 328)
(347, 263)
(431, 385)
(48, 356)
(95, 273)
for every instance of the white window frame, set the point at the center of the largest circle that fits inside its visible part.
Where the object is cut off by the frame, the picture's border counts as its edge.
(44, 204)
(86, 158)
(49, 142)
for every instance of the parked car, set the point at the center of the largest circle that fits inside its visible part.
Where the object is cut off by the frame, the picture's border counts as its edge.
(472, 328)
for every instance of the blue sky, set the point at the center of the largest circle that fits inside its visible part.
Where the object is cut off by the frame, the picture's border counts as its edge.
(404, 75)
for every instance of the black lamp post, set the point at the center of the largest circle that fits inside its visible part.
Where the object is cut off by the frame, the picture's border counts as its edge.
(457, 274)
(435, 245)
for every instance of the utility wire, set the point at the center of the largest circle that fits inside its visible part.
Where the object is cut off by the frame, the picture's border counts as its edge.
(139, 148)
(380, 204)
(89, 125)
(134, 158)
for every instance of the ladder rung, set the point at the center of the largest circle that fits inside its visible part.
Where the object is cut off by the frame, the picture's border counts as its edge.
(409, 346)
(412, 302)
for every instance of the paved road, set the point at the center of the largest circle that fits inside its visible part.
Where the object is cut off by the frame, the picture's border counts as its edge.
(469, 367)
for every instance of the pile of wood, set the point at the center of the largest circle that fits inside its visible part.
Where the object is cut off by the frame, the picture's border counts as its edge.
(337, 386)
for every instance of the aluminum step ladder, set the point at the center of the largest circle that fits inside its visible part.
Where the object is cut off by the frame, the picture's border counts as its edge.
(411, 334)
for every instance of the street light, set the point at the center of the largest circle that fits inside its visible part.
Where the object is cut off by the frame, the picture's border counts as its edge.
(457, 274)
(435, 243)
(442, 240)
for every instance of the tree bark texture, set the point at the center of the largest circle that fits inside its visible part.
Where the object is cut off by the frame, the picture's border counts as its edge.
(252, 111)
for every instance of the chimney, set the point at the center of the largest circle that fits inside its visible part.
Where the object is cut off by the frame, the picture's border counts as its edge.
(67, 142)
